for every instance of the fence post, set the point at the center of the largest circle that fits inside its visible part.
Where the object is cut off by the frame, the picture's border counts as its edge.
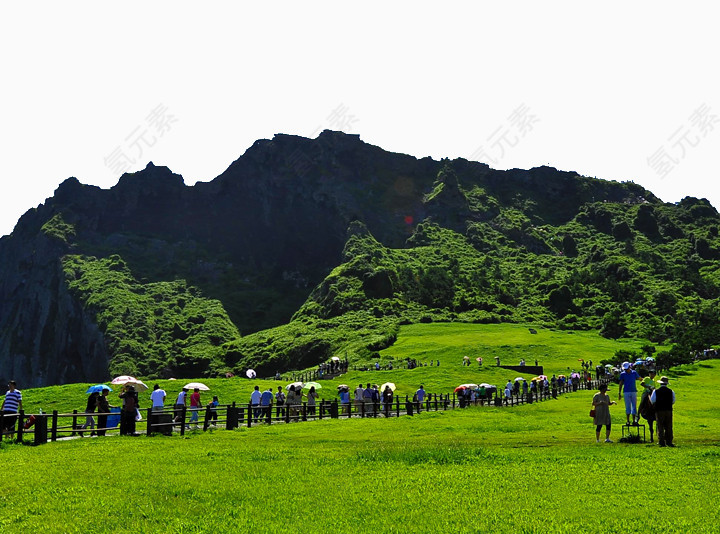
(397, 406)
(206, 422)
(453, 401)
(149, 430)
(40, 430)
(74, 422)
(334, 409)
(183, 414)
(269, 413)
(250, 415)
(20, 423)
(304, 411)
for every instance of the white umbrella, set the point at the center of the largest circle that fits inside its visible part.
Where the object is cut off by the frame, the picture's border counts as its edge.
(296, 384)
(250, 373)
(335, 359)
(196, 385)
(388, 384)
(519, 379)
(131, 381)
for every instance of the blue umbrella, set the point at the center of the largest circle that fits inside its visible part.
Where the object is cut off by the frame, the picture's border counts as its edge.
(98, 388)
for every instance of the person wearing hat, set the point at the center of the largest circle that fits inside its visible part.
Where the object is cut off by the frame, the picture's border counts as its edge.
(663, 399)
(601, 402)
(628, 390)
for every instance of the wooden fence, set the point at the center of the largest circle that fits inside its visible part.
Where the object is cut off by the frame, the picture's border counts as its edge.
(56, 425)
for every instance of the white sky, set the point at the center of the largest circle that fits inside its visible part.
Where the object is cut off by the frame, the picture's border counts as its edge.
(618, 90)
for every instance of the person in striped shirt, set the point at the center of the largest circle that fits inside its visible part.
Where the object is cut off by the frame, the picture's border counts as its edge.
(11, 405)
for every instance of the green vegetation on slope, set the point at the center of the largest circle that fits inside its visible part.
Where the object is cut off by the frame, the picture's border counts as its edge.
(154, 329)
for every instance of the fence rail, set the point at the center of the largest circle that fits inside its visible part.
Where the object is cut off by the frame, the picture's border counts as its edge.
(54, 426)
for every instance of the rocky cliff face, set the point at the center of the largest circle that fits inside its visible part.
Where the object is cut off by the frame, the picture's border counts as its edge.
(258, 238)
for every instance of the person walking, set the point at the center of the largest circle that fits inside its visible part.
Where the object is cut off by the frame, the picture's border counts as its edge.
(601, 402)
(280, 403)
(129, 410)
(266, 403)
(420, 394)
(628, 379)
(11, 406)
(387, 399)
(103, 408)
(255, 398)
(195, 406)
(213, 410)
(312, 397)
(89, 410)
(663, 398)
(180, 404)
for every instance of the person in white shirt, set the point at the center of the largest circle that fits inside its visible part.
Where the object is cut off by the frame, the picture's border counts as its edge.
(158, 398)
(180, 403)
(255, 398)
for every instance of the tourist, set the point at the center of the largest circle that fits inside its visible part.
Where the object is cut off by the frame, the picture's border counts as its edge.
(180, 404)
(291, 403)
(213, 410)
(280, 403)
(312, 397)
(508, 392)
(11, 406)
(601, 402)
(646, 408)
(387, 399)
(345, 400)
(359, 397)
(89, 410)
(195, 406)
(420, 394)
(158, 398)
(103, 408)
(628, 390)
(129, 410)
(255, 397)
(266, 403)
(663, 398)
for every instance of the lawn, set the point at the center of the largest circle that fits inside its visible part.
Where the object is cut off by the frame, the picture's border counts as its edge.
(532, 468)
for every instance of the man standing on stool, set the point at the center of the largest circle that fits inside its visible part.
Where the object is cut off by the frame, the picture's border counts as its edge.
(663, 398)
(627, 382)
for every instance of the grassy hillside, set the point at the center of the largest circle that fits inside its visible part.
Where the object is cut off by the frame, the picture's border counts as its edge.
(476, 470)
(557, 351)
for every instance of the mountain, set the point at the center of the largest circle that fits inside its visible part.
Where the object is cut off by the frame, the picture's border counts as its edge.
(306, 248)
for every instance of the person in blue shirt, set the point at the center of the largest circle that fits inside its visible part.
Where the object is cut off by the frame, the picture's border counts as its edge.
(266, 402)
(628, 390)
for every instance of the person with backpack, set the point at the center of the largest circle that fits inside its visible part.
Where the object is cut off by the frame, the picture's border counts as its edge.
(280, 403)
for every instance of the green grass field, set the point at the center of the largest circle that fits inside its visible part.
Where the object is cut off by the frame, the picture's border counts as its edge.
(532, 468)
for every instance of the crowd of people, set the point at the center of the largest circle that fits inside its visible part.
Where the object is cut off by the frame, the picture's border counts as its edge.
(656, 405)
